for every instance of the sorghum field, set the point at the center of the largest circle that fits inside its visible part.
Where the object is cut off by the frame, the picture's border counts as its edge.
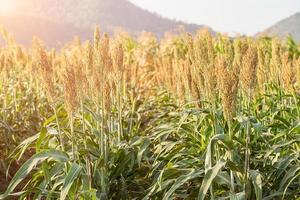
(184, 117)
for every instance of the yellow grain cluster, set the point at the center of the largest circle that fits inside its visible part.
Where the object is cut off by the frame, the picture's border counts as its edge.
(200, 68)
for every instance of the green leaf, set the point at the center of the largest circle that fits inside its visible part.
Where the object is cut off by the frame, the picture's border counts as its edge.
(257, 183)
(208, 157)
(181, 180)
(69, 180)
(21, 148)
(41, 138)
(287, 186)
(277, 146)
(30, 164)
(208, 178)
(223, 178)
(55, 169)
(273, 195)
(143, 148)
(289, 175)
(238, 196)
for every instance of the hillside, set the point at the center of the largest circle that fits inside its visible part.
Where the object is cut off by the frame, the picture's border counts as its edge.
(56, 21)
(290, 25)
(110, 14)
(54, 34)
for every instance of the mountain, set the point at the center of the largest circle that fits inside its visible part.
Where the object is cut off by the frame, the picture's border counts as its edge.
(24, 28)
(290, 25)
(83, 15)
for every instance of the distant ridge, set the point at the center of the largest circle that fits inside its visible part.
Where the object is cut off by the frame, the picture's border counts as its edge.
(25, 28)
(80, 16)
(288, 26)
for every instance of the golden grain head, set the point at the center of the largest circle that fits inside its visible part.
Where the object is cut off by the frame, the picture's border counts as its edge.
(118, 58)
(70, 90)
(97, 38)
(262, 66)
(107, 91)
(2, 62)
(82, 82)
(249, 69)
(46, 68)
(289, 72)
(297, 65)
(228, 82)
(89, 55)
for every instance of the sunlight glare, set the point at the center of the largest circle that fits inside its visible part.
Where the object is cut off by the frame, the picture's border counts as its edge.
(6, 6)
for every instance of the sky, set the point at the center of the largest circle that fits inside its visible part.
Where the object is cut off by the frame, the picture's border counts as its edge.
(227, 16)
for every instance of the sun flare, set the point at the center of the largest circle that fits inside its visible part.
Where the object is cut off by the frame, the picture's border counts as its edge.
(6, 6)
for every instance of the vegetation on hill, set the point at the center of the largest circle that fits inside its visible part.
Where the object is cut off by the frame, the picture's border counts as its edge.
(25, 28)
(56, 22)
(289, 26)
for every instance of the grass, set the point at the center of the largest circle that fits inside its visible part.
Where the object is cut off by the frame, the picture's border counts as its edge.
(189, 117)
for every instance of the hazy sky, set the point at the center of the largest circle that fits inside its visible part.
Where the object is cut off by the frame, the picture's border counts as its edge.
(231, 16)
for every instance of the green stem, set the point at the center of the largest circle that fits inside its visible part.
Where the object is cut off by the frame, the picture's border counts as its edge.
(247, 150)
(131, 117)
(72, 135)
(120, 131)
(59, 130)
(231, 159)
(296, 103)
(87, 158)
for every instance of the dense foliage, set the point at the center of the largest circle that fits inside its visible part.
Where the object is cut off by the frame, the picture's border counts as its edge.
(189, 117)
